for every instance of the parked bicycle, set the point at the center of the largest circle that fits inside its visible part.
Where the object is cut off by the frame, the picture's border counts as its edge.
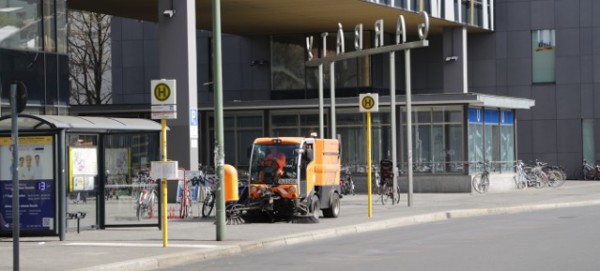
(538, 175)
(347, 184)
(521, 177)
(209, 188)
(481, 181)
(386, 186)
(555, 175)
(185, 203)
(590, 172)
(146, 198)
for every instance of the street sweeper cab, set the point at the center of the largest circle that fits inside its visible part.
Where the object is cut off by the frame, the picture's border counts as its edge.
(293, 178)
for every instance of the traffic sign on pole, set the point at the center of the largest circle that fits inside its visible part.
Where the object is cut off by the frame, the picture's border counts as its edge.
(368, 102)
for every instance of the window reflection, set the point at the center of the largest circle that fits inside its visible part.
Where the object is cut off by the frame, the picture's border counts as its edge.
(437, 139)
(21, 24)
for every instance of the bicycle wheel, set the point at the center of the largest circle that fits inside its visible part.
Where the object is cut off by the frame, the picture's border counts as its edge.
(386, 194)
(138, 211)
(382, 198)
(183, 208)
(480, 183)
(208, 204)
(150, 205)
(555, 179)
(520, 182)
(397, 199)
(485, 183)
(585, 173)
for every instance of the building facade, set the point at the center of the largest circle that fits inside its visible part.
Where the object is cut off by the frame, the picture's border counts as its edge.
(538, 50)
(33, 49)
(541, 50)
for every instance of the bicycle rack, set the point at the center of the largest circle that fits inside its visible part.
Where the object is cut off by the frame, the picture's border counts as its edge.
(78, 216)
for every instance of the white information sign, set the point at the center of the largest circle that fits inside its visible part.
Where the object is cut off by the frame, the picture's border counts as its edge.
(164, 169)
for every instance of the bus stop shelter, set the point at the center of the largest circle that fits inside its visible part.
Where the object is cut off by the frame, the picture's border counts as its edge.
(77, 172)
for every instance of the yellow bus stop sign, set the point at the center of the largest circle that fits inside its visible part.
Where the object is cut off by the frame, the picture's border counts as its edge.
(368, 102)
(162, 92)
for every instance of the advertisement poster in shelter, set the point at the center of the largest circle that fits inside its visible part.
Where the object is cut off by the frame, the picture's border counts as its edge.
(37, 189)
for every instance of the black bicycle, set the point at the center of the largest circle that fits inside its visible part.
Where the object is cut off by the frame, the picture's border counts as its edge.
(208, 203)
(481, 181)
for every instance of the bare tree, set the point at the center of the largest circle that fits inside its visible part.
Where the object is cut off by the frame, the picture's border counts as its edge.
(89, 57)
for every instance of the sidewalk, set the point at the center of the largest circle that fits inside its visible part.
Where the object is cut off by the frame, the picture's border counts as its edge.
(192, 240)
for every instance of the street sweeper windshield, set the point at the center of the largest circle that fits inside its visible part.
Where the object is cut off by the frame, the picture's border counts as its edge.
(271, 162)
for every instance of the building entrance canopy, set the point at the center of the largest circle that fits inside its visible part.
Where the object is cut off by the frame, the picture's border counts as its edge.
(263, 17)
(471, 99)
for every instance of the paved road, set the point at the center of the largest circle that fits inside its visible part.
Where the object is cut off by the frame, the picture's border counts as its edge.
(193, 239)
(552, 240)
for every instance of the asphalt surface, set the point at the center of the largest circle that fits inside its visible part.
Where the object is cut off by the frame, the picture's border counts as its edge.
(192, 240)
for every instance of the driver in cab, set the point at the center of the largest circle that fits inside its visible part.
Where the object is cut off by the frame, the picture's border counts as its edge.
(272, 165)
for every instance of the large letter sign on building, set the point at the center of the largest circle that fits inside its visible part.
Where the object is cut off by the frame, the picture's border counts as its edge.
(378, 48)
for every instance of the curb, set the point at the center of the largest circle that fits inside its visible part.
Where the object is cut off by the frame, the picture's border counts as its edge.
(181, 258)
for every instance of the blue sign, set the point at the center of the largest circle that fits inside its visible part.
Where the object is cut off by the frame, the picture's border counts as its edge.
(491, 116)
(36, 205)
(506, 118)
(475, 115)
(193, 117)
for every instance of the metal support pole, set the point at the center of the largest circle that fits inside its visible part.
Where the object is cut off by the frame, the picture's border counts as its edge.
(165, 204)
(409, 125)
(321, 117)
(16, 223)
(393, 122)
(219, 131)
(369, 168)
(332, 95)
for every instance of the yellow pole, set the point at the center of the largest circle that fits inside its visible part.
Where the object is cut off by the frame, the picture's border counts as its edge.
(165, 222)
(370, 197)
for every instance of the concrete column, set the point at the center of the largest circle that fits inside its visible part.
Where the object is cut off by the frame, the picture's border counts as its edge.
(177, 55)
(455, 60)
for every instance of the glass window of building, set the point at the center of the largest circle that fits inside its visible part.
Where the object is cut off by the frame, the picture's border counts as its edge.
(61, 26)
(288, 55)
(491, 138)
(351, 128)
(49, 26)
(240, 130)
(507, 140)
(437, 139)
(587, 127)
(475, 138)
(543, 45)
(21, 24)
(286, 123)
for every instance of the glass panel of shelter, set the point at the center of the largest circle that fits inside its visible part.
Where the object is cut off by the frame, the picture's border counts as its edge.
(84, 201)
(131, 197)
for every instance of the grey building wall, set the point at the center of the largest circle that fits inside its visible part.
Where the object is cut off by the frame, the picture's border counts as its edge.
(135, 63)
(501, 63)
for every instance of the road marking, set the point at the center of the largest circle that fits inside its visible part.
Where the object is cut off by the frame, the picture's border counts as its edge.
(137, 245)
